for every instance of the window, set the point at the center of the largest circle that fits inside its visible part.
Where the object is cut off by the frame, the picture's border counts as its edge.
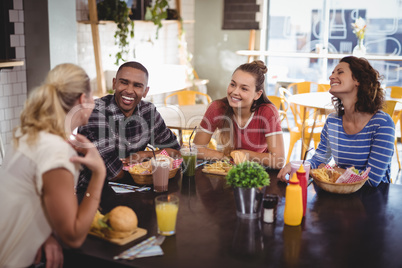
(312, 25)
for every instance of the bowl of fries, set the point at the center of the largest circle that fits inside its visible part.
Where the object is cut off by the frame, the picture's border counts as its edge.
(326, 179)
(142, 172)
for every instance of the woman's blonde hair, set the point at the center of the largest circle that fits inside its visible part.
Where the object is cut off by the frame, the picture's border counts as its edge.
(47, 106)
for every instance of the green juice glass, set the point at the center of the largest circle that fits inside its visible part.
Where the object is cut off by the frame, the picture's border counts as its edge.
(189, 160)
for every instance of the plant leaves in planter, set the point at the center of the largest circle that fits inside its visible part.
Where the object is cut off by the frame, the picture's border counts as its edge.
(118, 11)
(156, 13)
(247, 175)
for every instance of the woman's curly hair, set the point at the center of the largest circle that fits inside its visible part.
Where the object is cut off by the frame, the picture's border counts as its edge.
(370, 95)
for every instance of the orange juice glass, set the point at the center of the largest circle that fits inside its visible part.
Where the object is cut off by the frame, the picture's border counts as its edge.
(166, 207)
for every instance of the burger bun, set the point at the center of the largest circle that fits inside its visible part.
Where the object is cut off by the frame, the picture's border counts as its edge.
(122, 222)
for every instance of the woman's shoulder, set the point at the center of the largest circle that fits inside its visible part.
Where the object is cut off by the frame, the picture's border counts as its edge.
(382, 117)
(217, 106)
(266, 108)
(47, 146)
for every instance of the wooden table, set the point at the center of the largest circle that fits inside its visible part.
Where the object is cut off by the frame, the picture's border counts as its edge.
(182, 117)
(356, 230)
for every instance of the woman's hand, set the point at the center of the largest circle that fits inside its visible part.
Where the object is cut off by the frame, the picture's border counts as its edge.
(283, 172)
(53, 253)
(91, 159)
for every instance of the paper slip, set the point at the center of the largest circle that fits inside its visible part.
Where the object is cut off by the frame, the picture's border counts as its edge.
(120, 190)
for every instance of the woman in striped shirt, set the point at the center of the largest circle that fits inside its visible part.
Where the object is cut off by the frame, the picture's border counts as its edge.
(359, 134)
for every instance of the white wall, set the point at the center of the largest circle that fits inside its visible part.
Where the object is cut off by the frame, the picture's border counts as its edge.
(144, 48)
(13, 82)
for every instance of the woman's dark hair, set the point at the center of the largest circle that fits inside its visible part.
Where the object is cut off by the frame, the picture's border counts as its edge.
(370, 95)
(258, 70)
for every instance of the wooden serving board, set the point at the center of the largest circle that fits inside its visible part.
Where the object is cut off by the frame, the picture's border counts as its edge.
(122, 241)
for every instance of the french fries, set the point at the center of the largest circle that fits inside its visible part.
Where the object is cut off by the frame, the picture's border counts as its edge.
(326, 175)
(146, 167)
(218, 167)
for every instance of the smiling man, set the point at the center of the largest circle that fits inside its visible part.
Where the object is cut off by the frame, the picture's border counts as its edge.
(122, 125)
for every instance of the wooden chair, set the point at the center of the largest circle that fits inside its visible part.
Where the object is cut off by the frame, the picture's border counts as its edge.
(282, 107)
(188, 97)
(296, 130)
(390, 109)
(301, 87)
(323, 87)
(396, 92)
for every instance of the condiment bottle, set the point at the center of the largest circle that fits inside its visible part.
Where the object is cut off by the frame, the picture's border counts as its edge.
(293, 203)
(301, 175)
(269, 204)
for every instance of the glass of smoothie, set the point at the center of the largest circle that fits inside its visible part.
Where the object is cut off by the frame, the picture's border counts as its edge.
(160, 174)
(189, 154)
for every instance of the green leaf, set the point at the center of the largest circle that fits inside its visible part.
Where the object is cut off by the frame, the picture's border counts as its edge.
(247, 175)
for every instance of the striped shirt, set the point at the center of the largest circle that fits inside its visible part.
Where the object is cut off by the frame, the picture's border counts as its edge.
(116, 136)
(372, 147)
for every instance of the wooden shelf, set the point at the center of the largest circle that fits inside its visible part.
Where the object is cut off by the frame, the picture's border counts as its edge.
(146, 21)
(254, 53)
(11, 63)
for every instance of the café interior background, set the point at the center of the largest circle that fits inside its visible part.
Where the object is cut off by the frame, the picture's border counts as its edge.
(49, 32)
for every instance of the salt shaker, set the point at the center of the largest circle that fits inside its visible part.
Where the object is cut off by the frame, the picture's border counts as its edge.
(269, 204)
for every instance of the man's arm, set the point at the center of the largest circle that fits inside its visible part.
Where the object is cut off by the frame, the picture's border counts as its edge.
(98, 132)
(163, 136)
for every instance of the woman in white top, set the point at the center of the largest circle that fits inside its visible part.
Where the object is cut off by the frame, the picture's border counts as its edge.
(40, 171)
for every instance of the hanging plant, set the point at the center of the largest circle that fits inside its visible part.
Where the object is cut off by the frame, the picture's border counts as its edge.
(156, 13)
(118, 11)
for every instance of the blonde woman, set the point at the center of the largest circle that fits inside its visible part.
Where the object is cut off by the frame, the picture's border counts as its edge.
(247, 122)
(40, 170)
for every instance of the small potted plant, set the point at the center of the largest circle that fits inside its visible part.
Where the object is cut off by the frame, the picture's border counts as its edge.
(248, 180)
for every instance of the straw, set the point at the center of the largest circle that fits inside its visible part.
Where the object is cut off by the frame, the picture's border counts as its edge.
(153, 151)
(189, 140)
(305, 154)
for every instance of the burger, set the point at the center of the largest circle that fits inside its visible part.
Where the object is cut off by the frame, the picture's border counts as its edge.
(96, 225)
(238, 157)
(120, 222)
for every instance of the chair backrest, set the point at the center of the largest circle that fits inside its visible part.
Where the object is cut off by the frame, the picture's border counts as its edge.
(281, 105)
(301, 87)
(396, 92)
(297, 110)
(188, 97)
(285, 95)
(389, 108)
(323, 87)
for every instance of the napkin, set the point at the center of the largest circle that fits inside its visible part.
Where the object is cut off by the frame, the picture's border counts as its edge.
(151, 251)
(350, 177)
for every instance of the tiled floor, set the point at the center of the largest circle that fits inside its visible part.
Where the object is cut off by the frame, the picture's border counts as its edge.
(395, 173)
